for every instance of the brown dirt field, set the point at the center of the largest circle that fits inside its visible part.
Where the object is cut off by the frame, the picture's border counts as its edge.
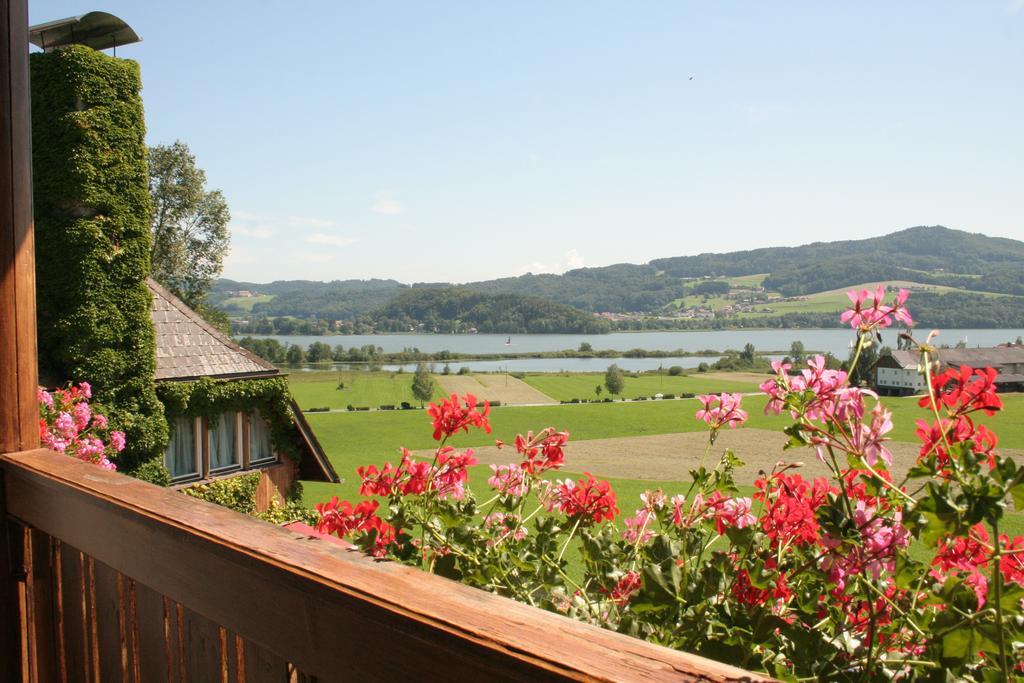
(508, 390)
(670, 457)
(754, 378)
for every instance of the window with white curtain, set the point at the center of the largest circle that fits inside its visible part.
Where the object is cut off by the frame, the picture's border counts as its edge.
(182, 454)
(260, 449)
(225, 442)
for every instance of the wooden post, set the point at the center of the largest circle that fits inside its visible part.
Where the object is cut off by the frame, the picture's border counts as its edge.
(19, 429)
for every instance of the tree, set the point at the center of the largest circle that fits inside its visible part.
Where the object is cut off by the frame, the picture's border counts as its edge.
(597, 390)
(189, 224)
(797, 353)
(613, 380)
(747, 354)
(422, 383)
(295, 355)
(319, 352)
(585, 347)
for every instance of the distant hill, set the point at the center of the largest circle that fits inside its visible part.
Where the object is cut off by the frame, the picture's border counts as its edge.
(931, 255)
(456, 309)
(777, 286)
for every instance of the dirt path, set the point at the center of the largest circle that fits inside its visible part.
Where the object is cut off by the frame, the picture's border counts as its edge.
(508, 390)
(670, 457)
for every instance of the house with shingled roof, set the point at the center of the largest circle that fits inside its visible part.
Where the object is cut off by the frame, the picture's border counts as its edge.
(896, 373)
(240, 438)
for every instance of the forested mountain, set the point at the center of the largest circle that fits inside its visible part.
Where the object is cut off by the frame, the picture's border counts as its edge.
(619, 288)
(685, 291)
(459, 309)
(932, 255)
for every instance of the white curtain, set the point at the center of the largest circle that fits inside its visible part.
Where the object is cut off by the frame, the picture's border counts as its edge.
(180, 456)
(224, 442)
(259, 439)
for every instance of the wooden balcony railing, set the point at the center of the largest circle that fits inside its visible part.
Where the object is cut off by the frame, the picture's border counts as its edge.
(107, 578)
(125, 581)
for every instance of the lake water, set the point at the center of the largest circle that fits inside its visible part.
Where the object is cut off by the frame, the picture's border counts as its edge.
(543, 364)
(837, 341)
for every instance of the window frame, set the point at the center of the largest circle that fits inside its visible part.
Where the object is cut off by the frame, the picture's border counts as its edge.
(237, 463)
(197, 453)
(250, 417)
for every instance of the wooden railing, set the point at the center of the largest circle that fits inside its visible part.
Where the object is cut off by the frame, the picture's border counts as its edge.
(125, 581)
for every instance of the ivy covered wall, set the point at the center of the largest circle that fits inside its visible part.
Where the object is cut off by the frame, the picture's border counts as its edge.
(92, 212)
(209, 398)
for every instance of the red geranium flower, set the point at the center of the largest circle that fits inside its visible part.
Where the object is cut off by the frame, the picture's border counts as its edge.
(450, 415)
(589, 500)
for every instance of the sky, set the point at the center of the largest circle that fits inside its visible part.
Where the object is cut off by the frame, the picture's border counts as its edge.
(461, 141)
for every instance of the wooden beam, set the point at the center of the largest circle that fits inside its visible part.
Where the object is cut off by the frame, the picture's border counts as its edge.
(332, 612)
(18, 365)
(19, 415)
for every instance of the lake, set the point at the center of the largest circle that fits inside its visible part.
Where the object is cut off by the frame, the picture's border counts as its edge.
(538, 364)
(837, 341)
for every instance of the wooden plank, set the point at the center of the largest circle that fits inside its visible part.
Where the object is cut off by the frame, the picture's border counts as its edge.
(203, 660)
(110, 619)
(324, 608)
(40, 587)
(74, 621)
(261, 665)
(151, 661)
(18, 363)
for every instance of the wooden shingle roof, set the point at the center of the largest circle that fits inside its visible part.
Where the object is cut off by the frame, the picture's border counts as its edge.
(188, 347)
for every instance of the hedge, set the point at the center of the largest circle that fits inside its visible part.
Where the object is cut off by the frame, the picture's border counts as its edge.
(92, 234)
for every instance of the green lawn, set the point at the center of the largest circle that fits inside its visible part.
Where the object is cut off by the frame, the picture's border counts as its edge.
(373, 389)
(564, 387)
(245, 303)
(355, 439)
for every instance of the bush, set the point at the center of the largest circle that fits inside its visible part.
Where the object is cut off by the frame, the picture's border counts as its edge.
(350, 407)
(321, 409)
(92, 234)
(495, 404)
(464, 370)
(669, 397)
(154, 471)
(387, 407)
(687, 394)
(703, 367)
(574, 400)
(406, 405)
(362, 407)
(675, 370)
(518, 375)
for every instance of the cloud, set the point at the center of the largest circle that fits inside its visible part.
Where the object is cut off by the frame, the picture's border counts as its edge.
(329, 240)
(314, 257)
(262, 226)
(257, 231)
(570, 260)
(385, 202)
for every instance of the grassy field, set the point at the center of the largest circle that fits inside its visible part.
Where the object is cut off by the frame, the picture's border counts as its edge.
(245, 303)
(352, 440)
(373, 389)
(565, 387)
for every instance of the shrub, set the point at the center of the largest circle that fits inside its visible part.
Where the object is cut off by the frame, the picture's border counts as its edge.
(321, 409)
(350, 407)
(675, 370)
(668, 397)
(518, 375)
(406, 405)
(703, 367)
(154, 471)
(387, 407)
(495, 404)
